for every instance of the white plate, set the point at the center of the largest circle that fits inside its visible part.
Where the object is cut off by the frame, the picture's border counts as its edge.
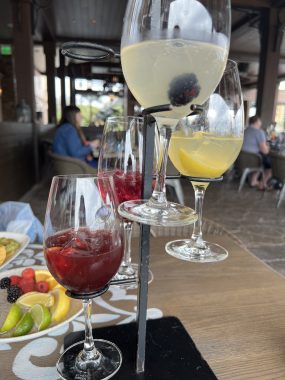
(74, 311)
(20, 238)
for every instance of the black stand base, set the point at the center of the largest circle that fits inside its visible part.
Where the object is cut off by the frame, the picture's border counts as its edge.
(170, 352)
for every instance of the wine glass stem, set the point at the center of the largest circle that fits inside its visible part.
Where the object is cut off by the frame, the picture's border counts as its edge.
(89, 351)
(128, 226)
(199, 190)
(159, 194)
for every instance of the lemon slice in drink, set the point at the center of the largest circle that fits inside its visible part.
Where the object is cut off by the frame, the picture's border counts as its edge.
(196, 166)
(13, 317)
(41, 316)
(25, 325)
(32, 298)
(61, 304)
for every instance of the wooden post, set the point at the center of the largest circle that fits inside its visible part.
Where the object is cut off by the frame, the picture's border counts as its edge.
(270, 41)
(49, 50)
(23, 52)
(62, 80)
(72, 90)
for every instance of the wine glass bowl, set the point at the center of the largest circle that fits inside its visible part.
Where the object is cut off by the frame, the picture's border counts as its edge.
(83, 247)
(175, 52)
(121, 158)
(172, 53)
(73, 260)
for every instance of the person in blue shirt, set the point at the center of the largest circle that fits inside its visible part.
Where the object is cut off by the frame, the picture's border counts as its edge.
(255, 142)
(69, 139)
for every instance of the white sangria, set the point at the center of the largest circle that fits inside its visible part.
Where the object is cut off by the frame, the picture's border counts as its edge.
(202, 154)
(179, 72)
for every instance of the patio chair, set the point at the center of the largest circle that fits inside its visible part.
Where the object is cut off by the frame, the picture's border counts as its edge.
(69, 165)
(246, 164)
(278, 172)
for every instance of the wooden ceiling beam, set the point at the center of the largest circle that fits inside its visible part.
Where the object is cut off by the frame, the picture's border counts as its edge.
(251, 4)
(277, 3)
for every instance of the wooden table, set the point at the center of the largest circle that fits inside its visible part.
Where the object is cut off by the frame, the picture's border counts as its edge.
(234, 311)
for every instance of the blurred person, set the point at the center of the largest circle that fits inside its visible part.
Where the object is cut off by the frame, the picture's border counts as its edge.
(255, 142)
(69, 139)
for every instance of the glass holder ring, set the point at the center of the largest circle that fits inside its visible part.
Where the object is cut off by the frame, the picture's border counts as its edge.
(87, 296)
(68, 49)
(201, 179)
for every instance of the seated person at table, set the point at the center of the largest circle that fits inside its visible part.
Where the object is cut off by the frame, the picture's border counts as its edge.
(69, 139)
(255, 142)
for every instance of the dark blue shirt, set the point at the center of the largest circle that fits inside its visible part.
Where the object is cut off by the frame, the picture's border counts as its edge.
(67, 143)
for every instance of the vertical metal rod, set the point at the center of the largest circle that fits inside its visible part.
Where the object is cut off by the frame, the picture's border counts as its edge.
(148, 152)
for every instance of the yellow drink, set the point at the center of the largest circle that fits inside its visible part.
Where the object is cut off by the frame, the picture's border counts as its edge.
(176, 71)
(203, 154)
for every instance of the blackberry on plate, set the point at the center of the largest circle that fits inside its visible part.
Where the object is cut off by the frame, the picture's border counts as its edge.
(183, 89)
(14, 292)
(5, 283)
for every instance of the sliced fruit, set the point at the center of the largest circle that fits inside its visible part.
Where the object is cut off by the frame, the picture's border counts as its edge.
(41, 316)
(3, 254)
(25, 325)
(61, 304)
(27, 284)
(13, 317)
(52, 283)
(13, 293)
(28, 273)
(199, 166)
(42, 275)
(32, 298)
(15, 280)
(42, 286)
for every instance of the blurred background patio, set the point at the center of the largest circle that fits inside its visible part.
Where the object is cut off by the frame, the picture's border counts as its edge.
(36, 82)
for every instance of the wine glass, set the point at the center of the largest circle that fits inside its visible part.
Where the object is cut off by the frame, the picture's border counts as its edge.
(174, 53)
(121, 157)
(206, 145)
(83, 246)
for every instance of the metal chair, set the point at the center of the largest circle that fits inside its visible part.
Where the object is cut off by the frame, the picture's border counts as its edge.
(278, 172)
(246, 164)
(69, 165)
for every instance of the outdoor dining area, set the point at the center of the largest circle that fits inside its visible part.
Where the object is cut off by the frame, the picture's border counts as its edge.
(142, 153)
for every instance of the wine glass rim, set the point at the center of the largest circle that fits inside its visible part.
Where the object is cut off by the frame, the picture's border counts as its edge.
(76, 176)
(124, 119)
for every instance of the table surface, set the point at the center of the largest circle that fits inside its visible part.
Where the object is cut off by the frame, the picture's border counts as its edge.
(234, 311)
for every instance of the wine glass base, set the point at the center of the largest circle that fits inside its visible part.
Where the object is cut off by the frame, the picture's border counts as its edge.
(141, 211)
(188, 251)
(128, 279)
(102, 368)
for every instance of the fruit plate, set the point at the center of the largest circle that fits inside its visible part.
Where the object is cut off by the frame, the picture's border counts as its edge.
(74, 311)
(20, 238)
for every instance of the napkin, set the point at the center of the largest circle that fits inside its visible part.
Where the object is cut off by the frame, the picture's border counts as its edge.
(19, 217)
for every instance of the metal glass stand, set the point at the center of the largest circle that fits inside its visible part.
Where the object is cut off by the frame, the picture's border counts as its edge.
(95, 52)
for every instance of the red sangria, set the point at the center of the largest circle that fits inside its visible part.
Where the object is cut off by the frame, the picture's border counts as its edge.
(127, 185)
(84, 261)
(121, 158)
(83, 249)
